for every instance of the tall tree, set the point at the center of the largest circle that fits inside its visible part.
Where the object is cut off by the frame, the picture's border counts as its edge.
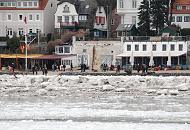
(172, 2)
(144, 18)
(158, 14)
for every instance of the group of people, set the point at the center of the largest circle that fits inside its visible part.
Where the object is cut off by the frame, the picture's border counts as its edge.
(36, 68)
(83, 67)
(142, 67)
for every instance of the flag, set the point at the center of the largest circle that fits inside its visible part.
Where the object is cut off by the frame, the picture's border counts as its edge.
(25, 20)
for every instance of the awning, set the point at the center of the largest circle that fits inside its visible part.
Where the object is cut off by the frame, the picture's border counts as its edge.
(14, 56)
(53, 57)
(147, 54)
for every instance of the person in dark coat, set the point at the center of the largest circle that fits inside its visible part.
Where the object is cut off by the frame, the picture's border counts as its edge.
(118, 69)
(45, 70)
(33, 69)
(64, 66)
(71, 66)
(138, 68)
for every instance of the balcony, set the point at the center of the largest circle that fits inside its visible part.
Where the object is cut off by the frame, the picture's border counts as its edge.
(69, 24)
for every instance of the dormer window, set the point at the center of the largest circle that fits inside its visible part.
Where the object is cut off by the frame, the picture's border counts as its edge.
(178, 7)
(66, 8)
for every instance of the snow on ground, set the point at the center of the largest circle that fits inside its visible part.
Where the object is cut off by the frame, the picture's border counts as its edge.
(94, 102)
(71, 85)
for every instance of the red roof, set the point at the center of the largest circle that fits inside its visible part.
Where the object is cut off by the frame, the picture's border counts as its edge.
(184, 4)
(42, 5)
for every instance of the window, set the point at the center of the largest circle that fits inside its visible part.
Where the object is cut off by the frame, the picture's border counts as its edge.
(37, 17)
(112, 21)
(164, 47)
(20, 17)
(188, 7)
(30, 17)
(59, 19)
(121, 3)
(9, 32)
(172, 47)
(84, 50)
(178, 7)
(136, 47)
(128, 47)
(9, 17)
(173, 18)
(154, 47)
(96, 33)
(66, 49)
(20, 31)
(1, 4)
(186, 18)
(133, 19)
(60, 49)
(134, 4)
(13, 4)
(37, 31)
(30, 30)
(25, 4)
(180, 47)
(67, 19)
(66, 8)
(82, 17)
(67, 62)
(9, 4)
(73, 18)
(35, 4)
(19, 4)
(144, 47)
(30, 4)
(179, 18)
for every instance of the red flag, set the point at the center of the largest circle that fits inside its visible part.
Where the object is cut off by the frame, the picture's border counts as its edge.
(25, 20)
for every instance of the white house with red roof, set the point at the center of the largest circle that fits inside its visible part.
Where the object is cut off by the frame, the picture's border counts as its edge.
(181, 13)
(39, 15)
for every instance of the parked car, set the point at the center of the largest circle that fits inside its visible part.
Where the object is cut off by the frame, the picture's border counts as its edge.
(128, 69)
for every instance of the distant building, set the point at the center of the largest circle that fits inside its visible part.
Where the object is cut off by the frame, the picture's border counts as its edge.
(66, 17)
(39, 15)
(100, 24)
(128, 10)
(181, 13)
(115, 22)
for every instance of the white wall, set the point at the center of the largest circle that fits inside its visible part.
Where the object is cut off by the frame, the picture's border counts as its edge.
(182, 24)
(102, 48)
(15, 23)
(128, 11)
(157, 53)
(49, 16)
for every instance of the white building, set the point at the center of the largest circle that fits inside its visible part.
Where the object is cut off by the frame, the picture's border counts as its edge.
(39, 15)
(101, 22)
(91, 53)
(160, 51)
(181, 13)
(66, 16)
(128, 10)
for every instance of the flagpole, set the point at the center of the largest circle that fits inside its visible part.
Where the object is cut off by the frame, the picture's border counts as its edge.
(26, 45)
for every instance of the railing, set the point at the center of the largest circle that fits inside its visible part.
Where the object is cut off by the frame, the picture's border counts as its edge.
(68, 23)
(155, 39)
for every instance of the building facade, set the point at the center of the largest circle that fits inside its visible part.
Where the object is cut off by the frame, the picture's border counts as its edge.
(128, 10)
(38, 13)
(161, 50)
(66, 17)
(100, 24)
(181, 13)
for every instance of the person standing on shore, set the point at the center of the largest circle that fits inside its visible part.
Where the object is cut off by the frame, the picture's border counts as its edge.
(71, 66)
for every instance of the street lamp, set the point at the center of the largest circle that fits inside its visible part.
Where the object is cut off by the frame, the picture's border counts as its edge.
(26, 52)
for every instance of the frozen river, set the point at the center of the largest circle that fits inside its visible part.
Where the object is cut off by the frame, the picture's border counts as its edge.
(85, 105)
